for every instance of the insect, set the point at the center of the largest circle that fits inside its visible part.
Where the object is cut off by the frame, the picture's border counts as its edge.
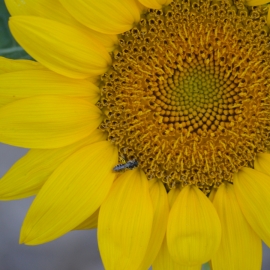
(131, 164)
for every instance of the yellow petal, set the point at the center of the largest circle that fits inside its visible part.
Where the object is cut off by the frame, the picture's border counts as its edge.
(28, 174)
(90, 222)
(109, 17)
(212, 194)
(53, 10)
(50, 9)
(159, 198)
(29, 83)
(262, 163)
(240, 246)
(73, 192)
(256, 2)
(10, 65)
(194, 229)
(125, 222)
(164, 261)
(172, 196)
(110, 42)
(71, 52)
(47, 121)
(157, 4)
(252, 189)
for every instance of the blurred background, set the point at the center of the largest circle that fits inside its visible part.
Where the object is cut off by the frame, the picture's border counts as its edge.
(74, 251)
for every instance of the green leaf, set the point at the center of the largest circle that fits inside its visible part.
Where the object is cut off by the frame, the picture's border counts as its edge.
(9, 48)
(206, 266)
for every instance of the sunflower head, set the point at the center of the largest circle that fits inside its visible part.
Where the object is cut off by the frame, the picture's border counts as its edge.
(177, 92)
(187, 94)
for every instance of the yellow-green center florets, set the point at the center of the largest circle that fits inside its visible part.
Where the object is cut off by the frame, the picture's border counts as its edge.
(187, 95)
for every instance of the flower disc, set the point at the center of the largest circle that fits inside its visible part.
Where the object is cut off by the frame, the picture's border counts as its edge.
(187, 94)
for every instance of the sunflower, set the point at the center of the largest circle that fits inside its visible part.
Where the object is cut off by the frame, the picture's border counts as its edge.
(146, 119)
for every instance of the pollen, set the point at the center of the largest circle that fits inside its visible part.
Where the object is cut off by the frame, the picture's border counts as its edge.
(187, 95)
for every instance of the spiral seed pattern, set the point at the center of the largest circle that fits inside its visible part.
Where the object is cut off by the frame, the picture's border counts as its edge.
(187, 95)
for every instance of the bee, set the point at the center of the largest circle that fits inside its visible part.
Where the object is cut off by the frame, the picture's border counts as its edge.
(131, 164)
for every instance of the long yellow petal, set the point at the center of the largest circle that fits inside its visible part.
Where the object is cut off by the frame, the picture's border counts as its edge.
(110, 42)
(53, 10)
(262, 163)
(47, 121)
(109, 17)
(160, 202)
(89, 223)
(240, 247)
(157, 4)
(59, 47)
(125, 222)
(73, 192)
(256, 2)
(194, 229)
(164, 261)
(10, 65)
(50, 9)
(252, 189)
(172, 196)
(29, 83)
(28, 174)
(212, 194)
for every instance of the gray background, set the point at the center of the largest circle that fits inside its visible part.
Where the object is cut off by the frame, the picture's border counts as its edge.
(74, 251)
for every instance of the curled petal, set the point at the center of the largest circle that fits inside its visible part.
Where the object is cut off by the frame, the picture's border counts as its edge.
(164, 261)
(194, 230)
